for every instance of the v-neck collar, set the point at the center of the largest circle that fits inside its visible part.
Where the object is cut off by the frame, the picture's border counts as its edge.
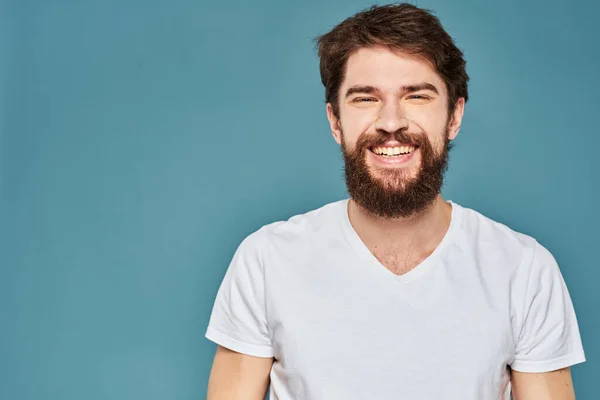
(373, 263)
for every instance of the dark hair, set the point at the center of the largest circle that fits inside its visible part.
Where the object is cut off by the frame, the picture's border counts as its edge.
(402, 27)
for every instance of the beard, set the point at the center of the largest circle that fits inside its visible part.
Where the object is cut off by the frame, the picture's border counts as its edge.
(394, 194)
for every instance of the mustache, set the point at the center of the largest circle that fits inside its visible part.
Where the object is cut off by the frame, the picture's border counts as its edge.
(401, 136)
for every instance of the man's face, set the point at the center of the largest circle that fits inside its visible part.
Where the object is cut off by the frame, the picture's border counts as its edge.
(394, 129)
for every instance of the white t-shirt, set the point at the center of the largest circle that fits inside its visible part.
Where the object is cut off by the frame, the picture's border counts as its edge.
(339, 325)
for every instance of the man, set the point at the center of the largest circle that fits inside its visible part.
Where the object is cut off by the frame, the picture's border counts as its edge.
(393, 293)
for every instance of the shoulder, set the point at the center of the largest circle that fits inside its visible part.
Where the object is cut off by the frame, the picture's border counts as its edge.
(513, 263)
(303, 228)
(494, 242)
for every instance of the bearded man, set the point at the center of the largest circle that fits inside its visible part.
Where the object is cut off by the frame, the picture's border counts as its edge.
(394, 292)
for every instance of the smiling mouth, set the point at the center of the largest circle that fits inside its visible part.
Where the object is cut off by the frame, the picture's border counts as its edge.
(395, 151)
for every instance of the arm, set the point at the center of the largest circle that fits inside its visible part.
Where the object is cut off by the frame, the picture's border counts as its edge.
(548, 340)
(555, 385)
(236, 376)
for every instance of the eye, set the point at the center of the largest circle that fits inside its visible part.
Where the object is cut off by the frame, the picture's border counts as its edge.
(364, 100)
(418, 97)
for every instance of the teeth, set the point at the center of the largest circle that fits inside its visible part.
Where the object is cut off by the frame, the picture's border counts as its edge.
(393, 151)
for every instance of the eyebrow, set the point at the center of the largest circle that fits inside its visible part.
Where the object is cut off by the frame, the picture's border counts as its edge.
(365, 89)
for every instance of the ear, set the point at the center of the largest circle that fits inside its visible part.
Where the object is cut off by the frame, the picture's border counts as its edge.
(334, 124)
(456, 118)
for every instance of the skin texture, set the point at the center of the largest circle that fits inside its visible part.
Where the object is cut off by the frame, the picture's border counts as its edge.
(555, 385)
(236, 376)
(422, 112)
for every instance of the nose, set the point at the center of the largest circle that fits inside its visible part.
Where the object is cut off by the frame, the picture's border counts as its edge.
(391, 118)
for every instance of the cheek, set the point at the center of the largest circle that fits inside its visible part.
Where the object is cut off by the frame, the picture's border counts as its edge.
(430, 114)
(431, 121)
(355, 124)
(360, 119)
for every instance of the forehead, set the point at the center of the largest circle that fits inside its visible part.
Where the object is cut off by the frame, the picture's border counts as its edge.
(389, 69)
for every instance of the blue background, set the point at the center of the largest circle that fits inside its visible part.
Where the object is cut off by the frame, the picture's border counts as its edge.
(141, 141)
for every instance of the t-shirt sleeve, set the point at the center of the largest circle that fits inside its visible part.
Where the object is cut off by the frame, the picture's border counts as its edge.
(238, 319)
(549, 338)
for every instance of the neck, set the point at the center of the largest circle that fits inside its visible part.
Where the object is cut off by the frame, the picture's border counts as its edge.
(420, 231)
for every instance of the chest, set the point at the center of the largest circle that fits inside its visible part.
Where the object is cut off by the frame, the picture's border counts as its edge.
(432, 328)
(338, 329)
(396, 261)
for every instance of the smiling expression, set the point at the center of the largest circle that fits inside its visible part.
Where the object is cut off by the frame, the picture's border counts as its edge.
(394, 126)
